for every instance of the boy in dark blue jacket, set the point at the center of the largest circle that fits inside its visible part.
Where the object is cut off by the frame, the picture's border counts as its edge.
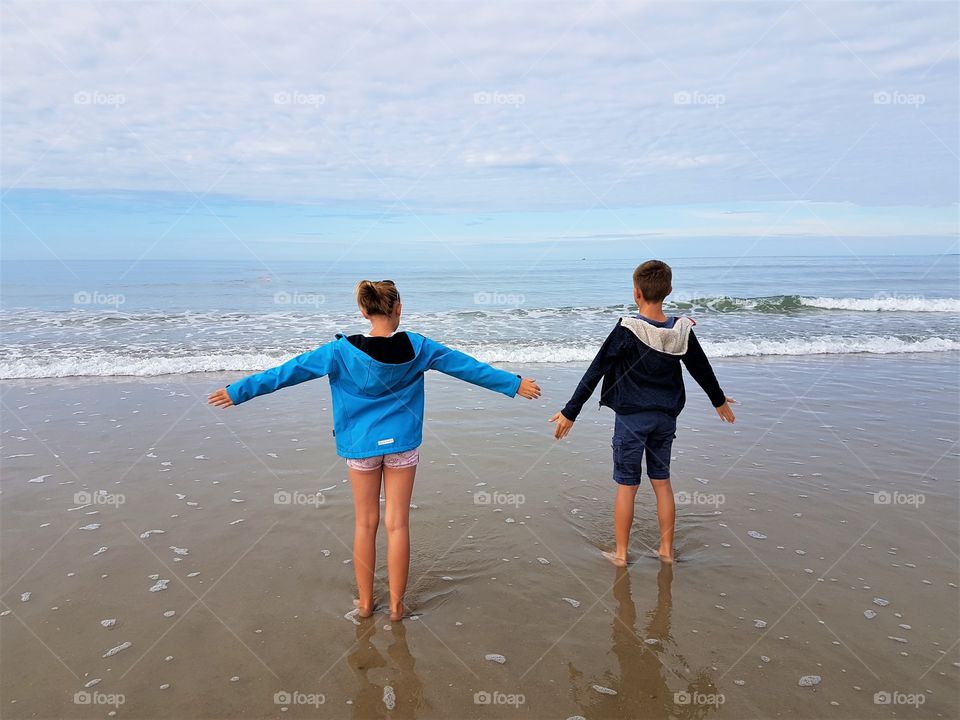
(639, 364)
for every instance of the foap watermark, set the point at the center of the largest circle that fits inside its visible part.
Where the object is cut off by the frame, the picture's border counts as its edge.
(895, 697)
(96, 97)
(100, 497)
(895, 97)
(92, 697)
(498, 98)
(501, 299)
(295, 697)
(483, 497)
(885, 497)
(283, 497)
(684, 697)
(299, 99)
(298, 298)
(697, 97)
(699, 498)
(495, 697)
(95, 297)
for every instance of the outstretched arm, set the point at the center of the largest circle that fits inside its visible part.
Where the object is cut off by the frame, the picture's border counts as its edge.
(699, 367)
(306, 366)
(606, 356)
(464, 367)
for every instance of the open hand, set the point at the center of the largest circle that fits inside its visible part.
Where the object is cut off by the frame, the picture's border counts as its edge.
(220, 398)
(563, 427)
(529, 389)
(725, 412)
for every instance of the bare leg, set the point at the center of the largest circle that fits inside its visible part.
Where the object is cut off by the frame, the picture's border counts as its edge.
(397, 489)
(622, 522)
(366, 510)
(666, 517)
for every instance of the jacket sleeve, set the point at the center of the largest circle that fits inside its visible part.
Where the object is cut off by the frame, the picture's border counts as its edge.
(307, 366)
(464, 367)
(699, 367)
(606, 356)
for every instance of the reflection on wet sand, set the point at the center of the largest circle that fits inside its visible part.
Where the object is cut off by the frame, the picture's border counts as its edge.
(400, 694)
(648, 664)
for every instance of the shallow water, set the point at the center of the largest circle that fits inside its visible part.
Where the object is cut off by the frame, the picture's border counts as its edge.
(737, 619)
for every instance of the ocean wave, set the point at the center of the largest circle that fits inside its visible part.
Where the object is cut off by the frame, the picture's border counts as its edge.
(103, 363)
(885, 304)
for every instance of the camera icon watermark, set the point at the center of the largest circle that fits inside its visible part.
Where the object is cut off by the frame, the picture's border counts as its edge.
(95, 297)
(684, 697)
(100, 497)
(495, 697)
(95, 97)
(92, 697)
(885, 497)
(895, 97)
(295, 697)
(498, 98)
(696, 97)
(894, 697)
(298, 298)
(699, 498)
(501, 299)
(283, 497)
(483, 497)
(297, 98)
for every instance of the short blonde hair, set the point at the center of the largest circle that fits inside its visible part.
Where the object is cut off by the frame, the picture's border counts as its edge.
(377, 297)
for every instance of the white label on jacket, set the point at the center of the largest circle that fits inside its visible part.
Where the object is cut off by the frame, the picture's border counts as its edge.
(388, 441)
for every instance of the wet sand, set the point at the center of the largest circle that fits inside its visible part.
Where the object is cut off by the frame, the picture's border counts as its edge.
(782, 549)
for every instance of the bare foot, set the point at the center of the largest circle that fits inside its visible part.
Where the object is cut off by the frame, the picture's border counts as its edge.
(362, 611)
(397, 612)
(613, 558)
(667, 556)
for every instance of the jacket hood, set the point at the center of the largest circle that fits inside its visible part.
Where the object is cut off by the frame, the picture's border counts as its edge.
(376, 378)
(671, 340)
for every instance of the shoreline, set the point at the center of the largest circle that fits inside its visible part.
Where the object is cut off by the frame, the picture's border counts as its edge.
(814, 443)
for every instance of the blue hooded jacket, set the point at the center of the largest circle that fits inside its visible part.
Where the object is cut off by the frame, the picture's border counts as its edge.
(377, 407)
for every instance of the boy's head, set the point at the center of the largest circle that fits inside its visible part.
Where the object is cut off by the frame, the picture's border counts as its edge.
(378, 297)
(653, 280)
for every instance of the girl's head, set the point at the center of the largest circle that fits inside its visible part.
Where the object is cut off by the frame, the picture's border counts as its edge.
(378, 297)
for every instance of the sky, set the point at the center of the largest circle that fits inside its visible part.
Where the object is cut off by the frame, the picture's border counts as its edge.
(198, 129)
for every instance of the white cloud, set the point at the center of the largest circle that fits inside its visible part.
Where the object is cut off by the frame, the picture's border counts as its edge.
(383, 101)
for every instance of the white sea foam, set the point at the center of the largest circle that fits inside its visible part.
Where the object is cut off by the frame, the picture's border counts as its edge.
(885, 303)
(107, 364)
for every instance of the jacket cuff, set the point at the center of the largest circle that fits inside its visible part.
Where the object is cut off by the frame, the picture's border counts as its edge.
(570, 413)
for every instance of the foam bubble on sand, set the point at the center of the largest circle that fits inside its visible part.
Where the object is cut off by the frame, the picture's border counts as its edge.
(325, 553)
(604, 690)
(119, 648)
(495, 657)
(5, 613)
(574, 603)
(881, 602)
(155, 576)
(38, 479)
(165, 686)
(91, 526)
(352, 616)
(169, 613)
(93, 682)
(237, 500)
(756, 535)
(236, 522)
(869, 614)
(760, 624)
(109, 622)
(147, 533)
(101, 551)
(179, 550)
(24, 597)
(897, 639)
(809, 680)
(389, 697)
(543, 561)
(193, 574)
(181, 496)
(160, 585)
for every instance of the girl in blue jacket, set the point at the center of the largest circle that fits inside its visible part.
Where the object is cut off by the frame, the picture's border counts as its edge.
(376, 382)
